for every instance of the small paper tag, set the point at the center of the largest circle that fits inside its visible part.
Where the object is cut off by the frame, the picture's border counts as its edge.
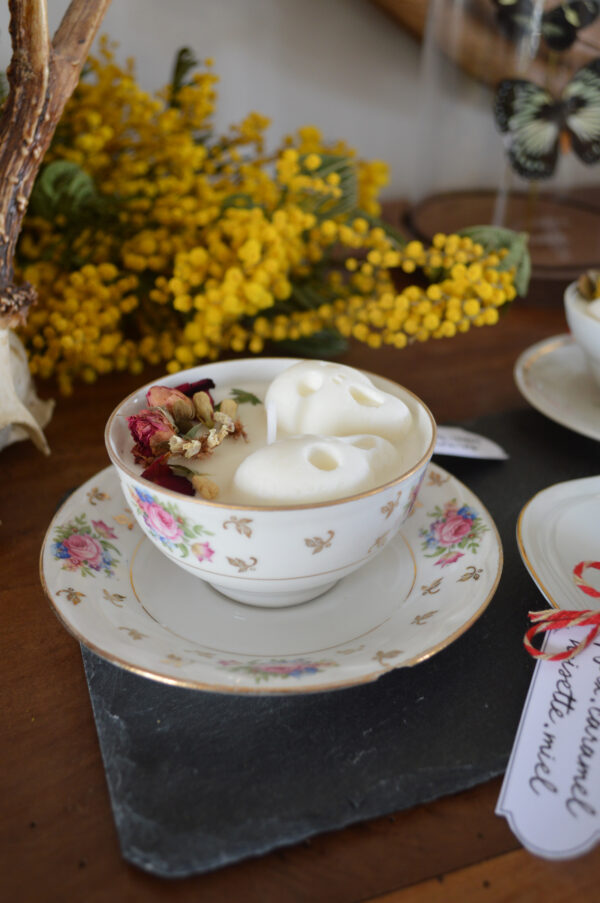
(551, 790)
(453, 440)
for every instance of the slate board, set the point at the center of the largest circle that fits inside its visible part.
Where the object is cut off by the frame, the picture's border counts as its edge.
(199, 780)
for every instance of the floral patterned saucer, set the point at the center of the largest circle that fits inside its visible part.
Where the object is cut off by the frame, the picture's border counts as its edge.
(124, 600)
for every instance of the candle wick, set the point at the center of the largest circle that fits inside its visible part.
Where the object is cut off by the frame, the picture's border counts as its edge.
(271, 422)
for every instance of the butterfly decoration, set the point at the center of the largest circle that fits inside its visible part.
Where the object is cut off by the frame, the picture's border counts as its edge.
(559, 26)
(537, 125)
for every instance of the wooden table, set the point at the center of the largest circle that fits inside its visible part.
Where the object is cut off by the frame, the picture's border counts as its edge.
(57, 837)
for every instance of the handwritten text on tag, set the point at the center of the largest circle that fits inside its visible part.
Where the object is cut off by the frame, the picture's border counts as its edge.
(551, 790)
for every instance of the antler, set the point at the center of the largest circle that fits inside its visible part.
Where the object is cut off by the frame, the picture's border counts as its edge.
(41, 78)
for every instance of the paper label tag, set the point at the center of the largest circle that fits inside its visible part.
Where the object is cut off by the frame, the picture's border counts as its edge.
(551, 790)
(453, 440)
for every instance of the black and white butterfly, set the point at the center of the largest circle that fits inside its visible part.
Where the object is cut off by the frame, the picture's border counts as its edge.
(559, 26)
(537, 125)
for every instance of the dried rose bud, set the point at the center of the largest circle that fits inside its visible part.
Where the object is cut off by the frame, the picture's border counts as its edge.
(229, 406)
(206, 487)
(171, 400)
(151, 431)
(183, 414)
(204, 407)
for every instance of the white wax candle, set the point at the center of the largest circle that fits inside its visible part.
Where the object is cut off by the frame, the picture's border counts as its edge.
(356, 430)
(271, 410)
(304, 469)
(315, 397)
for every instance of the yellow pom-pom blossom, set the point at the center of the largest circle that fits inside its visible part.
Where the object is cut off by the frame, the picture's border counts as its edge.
(199, 244)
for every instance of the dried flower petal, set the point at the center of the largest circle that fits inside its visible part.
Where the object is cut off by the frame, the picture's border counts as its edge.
(189, 448)
(202, 385)
(225, 421)
(162, 475)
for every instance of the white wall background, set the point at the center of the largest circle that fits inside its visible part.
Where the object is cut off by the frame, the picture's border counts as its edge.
(339, 64)
(342, 65)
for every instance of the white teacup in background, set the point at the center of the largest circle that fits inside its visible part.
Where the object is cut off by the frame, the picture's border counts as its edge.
(583, 317)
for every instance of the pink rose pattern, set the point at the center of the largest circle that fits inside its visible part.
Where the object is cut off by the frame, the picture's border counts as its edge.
(165, 523)
(86, 548)
(455, 530)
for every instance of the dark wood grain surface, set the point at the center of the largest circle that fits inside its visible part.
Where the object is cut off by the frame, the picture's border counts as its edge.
(57, 838)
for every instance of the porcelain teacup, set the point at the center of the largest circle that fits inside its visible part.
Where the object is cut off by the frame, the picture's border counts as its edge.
(584, 323)
(267, 555)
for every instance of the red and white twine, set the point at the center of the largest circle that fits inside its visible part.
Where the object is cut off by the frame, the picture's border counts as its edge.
(556, 619)
(579, 580)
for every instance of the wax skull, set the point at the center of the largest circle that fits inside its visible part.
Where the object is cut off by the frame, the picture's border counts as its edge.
(307, 469)
(321, 398)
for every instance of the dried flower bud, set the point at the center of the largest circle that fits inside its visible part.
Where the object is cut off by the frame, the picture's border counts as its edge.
(169, 399)
(205, 487)
(229, 406)
(588, 285)
(189, 448)
(183, 412)
(151, 432)
(203, 407)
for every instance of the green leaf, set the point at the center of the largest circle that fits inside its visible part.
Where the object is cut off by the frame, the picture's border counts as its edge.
(307, 296)
(183, 549)
(64, 187)
(240, 200)
(494, 238)
(324, 344)
(244, 397)
(322, 204)
(185, 61)
(108, 545)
